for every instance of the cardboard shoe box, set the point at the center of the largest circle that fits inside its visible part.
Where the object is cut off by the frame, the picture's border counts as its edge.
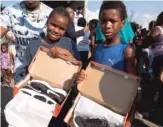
(59, 72)
(111, 88)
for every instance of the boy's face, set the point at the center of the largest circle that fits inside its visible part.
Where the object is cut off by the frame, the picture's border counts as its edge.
(111, 22)
(56, 27)
(4, 48)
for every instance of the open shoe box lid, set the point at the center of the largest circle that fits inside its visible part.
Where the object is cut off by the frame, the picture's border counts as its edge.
(59, 72)
(109, 87)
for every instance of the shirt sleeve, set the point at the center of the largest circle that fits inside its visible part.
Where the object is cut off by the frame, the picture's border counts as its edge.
(5, 18)
(72, 33)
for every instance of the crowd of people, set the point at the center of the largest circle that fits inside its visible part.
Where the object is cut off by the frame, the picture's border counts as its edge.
(111, 40)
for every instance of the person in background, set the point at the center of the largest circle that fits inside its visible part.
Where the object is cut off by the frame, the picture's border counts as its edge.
(27, 21)
(80, 11)
(71, 33)
(6, 64)
(151, 26)
(147, 52)
(92, 26)
(12, 50)
(83, 42)
(57, 24)
(78, 14)
(157, 34)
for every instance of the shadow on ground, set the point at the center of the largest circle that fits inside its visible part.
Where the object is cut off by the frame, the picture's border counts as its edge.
(6, 96)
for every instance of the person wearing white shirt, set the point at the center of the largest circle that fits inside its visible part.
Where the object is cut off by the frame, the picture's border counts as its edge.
(27, 21)
(78, 14)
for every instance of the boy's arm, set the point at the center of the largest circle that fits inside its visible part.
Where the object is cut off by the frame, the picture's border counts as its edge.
(72, 33)
(130, 61)
(92, 46)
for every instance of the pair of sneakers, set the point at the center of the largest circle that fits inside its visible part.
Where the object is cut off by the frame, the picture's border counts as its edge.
(42, 90)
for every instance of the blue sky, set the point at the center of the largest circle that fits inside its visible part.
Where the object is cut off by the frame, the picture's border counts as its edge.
(144, 11)
(151, 7)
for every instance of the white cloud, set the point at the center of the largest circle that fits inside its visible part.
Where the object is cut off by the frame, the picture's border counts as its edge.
(92, 15)
(141, 18)
(144, 19)
(148, 15)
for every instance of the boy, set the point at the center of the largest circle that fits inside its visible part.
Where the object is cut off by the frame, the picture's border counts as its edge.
(57, 24)
(112, 52)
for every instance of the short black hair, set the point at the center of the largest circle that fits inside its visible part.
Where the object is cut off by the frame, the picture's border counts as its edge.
(82, 22)
(151, 25)
(159, 20)
(134, 26)
(60, 10)
(80, 7)
(119, 5)
(93, 23)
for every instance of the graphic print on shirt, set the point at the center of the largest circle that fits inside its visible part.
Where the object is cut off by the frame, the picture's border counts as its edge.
(25, 25)
(111, 62)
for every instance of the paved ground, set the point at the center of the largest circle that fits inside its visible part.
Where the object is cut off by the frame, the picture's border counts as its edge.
(155, 119)
(6, 96)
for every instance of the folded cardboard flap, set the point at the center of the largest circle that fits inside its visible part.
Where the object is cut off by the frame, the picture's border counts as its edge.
(58, 72)
(111, 88)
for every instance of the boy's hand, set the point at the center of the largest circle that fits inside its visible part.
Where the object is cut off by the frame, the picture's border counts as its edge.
(81, 77)
(61, 51)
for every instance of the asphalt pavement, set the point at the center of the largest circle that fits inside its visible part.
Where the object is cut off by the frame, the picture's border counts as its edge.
(6, 96)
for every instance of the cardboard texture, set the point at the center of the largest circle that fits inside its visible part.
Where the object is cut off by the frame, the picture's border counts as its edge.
(59, 72)
(109, 87)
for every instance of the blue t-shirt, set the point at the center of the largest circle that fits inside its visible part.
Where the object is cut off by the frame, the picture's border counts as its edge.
(112, 56)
